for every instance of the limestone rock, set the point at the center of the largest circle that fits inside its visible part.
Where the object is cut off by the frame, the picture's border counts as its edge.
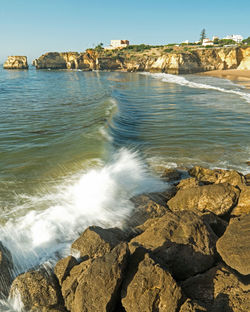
(247, 177)
(71, 282)
(16, 62)
(188, 183)
(151, 205)
(152, 289)
(181, 241)
(37, 290)
(191, 306)
(217, 176)
(243, 206)
(217, 198)
(63, 268)
(220, 290)
(234, 245)
(96, 242)
(171, 175)
(6, 267)
(99, 287)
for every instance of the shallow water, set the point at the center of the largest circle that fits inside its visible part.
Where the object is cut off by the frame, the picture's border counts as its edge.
(75, 146)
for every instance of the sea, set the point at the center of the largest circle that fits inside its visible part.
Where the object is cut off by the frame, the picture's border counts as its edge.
(76, 146)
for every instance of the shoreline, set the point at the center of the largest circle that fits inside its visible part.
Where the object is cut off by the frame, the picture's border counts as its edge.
(241, 77)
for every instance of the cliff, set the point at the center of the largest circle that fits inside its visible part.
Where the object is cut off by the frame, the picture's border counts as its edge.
(176, 61)
(16, 62)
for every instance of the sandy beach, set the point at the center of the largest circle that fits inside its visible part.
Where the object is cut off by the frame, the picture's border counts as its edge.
(241, 77)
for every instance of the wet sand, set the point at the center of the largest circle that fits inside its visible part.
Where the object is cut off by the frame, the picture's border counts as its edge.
(241, 77)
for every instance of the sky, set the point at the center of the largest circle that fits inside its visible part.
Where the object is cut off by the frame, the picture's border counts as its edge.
(34, 27)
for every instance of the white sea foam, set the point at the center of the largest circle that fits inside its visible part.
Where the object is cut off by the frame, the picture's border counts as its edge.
(99, 196)
(184, 82)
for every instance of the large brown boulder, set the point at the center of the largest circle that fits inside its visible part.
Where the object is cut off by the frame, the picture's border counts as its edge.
(69, 285)
(96, 242)
(6, 270)
(37, 290)
(152, 289)
(16, 62)
(63, 267)
(220, 290)
(217, 176)
(243, 206)
(234, 245)
(151, 205)
(99, 285)
(181, 241)
(217, 198)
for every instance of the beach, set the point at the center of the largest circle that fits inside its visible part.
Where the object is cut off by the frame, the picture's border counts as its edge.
(241, 77)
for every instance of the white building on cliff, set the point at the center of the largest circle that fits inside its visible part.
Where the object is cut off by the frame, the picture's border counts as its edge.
(236, 38)
(117, 44)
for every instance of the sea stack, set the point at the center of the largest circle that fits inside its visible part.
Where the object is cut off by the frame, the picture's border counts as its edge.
(16, 62)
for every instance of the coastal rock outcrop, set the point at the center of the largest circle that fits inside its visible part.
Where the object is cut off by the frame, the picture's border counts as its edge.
(217, 176)
(99, 285)
(152, 288)
(181, 241)
(219, 290)
(234, 245)
(37, 290)
(96, 242)
(216, 198)
(16, 62)
(178, 261)
(175, 62)
(64, 60)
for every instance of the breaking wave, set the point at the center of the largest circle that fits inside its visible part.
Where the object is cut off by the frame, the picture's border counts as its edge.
(184, 82)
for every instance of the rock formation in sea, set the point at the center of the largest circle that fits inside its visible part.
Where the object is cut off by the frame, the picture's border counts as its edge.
(183, 250)
(16, 62)
(174, 62)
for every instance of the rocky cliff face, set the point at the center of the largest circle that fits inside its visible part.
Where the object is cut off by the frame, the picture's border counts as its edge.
(16, 62)
(184, 62)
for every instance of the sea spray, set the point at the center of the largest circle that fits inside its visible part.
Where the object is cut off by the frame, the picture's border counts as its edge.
(99, 196)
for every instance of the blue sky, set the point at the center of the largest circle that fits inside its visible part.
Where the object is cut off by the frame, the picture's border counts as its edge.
(33, 27)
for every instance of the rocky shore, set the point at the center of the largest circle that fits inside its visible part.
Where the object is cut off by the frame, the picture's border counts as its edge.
(152, 60)
(184, 250)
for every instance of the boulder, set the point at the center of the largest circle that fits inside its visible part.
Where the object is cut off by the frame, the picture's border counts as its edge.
(152, 289)
(96, 242)
(180, 241)
(37, 290)
(217, 176)
(243, 206)
(234, 245)
(16, 62)
(151, 205)
(99, 285)
(71, 282)
(63, 268)
(171, 175)
(188, 183)
(219, 290)
(216, 198)
(6, 271)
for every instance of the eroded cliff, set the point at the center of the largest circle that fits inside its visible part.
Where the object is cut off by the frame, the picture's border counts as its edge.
(153, 60)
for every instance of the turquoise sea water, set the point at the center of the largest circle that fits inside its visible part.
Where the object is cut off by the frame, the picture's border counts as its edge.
(74, 146)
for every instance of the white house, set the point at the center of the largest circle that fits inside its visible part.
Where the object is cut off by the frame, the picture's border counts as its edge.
(207, 42)
(117, 44)
(236, 38)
